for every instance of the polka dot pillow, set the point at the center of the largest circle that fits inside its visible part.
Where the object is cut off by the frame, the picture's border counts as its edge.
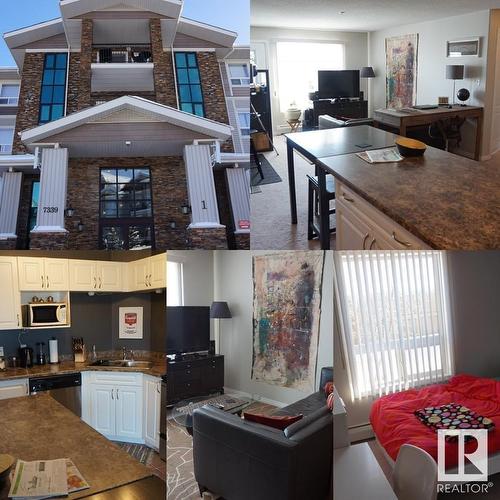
(453, 416)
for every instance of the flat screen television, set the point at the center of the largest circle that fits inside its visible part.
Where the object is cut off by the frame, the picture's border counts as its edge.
(188, 329)
(341, 83)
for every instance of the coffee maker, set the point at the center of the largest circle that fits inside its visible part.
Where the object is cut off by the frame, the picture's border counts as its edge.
(26, 356)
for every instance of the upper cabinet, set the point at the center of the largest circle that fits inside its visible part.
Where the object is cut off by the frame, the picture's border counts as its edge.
(43, 274)
(10, 300)
(149, 273)
(102, 276)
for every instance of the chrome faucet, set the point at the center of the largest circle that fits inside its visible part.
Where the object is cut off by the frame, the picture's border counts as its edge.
(126, 352)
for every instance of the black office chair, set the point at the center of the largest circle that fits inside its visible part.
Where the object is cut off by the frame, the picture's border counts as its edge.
(313, 229)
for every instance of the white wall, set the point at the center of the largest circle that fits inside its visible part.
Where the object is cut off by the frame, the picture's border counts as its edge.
(432, 61)
(234, 284)
(264, 39)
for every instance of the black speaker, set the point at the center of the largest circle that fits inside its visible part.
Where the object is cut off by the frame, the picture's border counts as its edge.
(309, 118)
(361, 95)
(211, 351)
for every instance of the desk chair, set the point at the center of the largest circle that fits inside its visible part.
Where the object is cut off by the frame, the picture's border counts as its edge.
(313, 229)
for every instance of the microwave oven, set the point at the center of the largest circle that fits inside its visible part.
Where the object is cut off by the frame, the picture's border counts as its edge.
(45, 314)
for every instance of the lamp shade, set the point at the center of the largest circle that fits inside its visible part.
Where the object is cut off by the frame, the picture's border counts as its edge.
(220, 310)
(454, 71)
(367, 72)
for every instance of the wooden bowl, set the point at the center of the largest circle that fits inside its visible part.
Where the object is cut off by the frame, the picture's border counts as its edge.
(6, 463)
(410, 147)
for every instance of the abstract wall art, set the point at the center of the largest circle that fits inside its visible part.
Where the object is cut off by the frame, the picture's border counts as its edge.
(287, 309)
(401, 53)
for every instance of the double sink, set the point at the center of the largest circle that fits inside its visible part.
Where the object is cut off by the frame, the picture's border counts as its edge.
(123, 363)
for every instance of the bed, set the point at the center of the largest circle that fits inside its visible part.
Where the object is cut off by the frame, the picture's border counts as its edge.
(394, 423)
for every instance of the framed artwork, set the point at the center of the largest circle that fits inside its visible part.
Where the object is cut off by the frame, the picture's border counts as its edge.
(461, 48)
(401, 53)
(131, 322)
(287, 308)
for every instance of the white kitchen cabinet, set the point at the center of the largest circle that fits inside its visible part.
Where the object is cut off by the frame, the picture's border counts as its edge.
(10, 298)
(360, 226)
(149, 273)
(158, 271)
(14, 388)
(90, 275)
(112, 403)
(152, 400)
(43, 274)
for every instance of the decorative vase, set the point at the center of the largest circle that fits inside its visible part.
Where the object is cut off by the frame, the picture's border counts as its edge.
(292, 113)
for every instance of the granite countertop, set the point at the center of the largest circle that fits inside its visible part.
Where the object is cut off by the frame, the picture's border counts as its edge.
(39, 428)
(448, 201)
(158, 369)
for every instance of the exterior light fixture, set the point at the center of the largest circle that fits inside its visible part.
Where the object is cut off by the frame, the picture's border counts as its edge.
(186, 209)
(70, 211)
(80, 226)
(173, 225)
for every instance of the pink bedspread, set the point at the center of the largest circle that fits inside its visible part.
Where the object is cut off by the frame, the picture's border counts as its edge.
(393, 420)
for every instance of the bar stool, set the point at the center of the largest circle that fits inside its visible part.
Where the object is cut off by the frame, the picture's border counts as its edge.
(313, 229)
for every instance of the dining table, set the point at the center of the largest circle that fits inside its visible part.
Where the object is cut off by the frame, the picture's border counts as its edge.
(317, 144)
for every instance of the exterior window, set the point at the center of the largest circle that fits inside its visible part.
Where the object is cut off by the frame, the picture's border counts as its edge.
(244, 121)
(53, 95)
(188, 83)
(126, 211)
(9, 94)
(35, 195)
(6, 139)
(239, 74)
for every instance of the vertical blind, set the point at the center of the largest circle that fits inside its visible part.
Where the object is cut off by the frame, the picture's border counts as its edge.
(394, 320)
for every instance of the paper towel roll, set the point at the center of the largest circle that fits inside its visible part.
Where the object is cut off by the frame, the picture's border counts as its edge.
(53, 352)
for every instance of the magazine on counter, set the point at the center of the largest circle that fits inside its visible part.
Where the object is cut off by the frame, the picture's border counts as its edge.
(387, 155)
(43, 479)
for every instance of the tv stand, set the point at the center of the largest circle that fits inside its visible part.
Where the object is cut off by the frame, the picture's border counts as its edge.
(194, 375)
(346, 108)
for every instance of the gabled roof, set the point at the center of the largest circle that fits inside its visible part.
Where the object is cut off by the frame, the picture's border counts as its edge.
(157, 112)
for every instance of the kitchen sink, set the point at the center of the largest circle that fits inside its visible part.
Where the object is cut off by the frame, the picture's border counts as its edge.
(123, 363)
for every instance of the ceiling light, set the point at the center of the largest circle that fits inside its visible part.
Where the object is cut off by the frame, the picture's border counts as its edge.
(342, 12)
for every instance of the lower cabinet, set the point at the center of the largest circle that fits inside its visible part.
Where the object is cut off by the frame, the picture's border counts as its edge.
(122, 406)
(14, 388)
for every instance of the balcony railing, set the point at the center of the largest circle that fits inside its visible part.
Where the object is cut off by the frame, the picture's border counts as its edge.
(122, 55)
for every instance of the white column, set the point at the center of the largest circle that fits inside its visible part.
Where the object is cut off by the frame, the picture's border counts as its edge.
(238, 180)
(201, 187)
(9, 206)
(53, 186)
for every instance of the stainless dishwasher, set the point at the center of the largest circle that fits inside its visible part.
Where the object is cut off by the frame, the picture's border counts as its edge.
(66, 389)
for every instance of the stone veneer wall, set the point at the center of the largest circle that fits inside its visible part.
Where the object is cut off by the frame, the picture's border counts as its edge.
(49, 241)
(163, 68)
(85, 67)
(73, 83)
(207, 239)
(29, 97)
(242, 241)
(169, 194)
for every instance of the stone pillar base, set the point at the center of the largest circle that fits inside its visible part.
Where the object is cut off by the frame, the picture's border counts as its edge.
(242, 241)
(207, 239)
(10, 244)
(49, 241)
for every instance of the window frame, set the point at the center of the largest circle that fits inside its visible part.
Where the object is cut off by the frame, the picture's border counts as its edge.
(126, 222)
(52, 104)
(7, 152)
(243, 129)
(178, 85)
(8, 103)
(231, 78)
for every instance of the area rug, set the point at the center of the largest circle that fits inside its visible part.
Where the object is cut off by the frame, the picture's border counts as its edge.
(146, 456)
(270, 175)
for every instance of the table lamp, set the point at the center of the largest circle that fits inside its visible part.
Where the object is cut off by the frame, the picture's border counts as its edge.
(219, 310)
(454, 72)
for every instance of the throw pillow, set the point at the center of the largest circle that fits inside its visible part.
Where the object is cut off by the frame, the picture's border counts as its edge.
(329, 402)
(328, 388)
(278, 422)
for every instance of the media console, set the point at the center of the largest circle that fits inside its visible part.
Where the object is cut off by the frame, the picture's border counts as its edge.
(341, 108)
(194, 376)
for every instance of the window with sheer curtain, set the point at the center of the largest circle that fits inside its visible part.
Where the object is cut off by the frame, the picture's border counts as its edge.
(175, 285)
(298, 66)
(393, 311)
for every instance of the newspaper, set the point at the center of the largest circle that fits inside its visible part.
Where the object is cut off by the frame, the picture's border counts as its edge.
(387, 155)
(45, 479)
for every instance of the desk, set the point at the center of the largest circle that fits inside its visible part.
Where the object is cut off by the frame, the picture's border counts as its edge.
(403, 120)
(357, 475)
(317, 144)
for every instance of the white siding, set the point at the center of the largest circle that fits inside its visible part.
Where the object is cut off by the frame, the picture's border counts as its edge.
(239, 192)
(9, 206)
(53, 185)
(201, 186)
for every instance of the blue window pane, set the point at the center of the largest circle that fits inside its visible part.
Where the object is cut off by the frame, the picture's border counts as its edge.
(187, 107)
(196, 93)
(184, 93)
(191, 58)
(58, 96)
(198, 110)
(194, 76)
(45, 114)
(60, 77)
(50, 60)
(61, 61)
(57, 111)
(182, 76)
(48, 77)
(46, 97)
(180, 59)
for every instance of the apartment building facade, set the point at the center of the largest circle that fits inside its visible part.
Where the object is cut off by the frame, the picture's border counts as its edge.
(132, 131)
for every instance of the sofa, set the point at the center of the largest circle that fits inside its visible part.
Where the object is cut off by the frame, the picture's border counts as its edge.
(242, 460)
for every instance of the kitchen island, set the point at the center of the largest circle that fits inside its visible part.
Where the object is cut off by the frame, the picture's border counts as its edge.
(39, 428)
